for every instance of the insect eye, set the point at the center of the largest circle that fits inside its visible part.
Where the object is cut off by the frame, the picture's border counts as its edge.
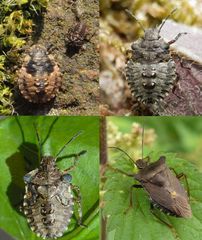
(27, 178)
(67, 177)
(133, 46)
(166, 46)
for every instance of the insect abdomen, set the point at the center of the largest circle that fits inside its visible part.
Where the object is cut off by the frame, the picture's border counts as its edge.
(49, 209)
(149, 83)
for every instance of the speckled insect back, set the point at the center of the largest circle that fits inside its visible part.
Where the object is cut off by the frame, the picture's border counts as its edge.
(151, 71)
(39, 78)
(48, 200)
(76, 35)
(150, 83)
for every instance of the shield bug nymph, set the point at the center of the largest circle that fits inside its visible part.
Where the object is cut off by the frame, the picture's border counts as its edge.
(50, 196)
(161, 184)
(76, 35)
(39, 78)
(151, 71)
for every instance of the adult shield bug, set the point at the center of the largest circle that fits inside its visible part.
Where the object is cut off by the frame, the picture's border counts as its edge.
(163, 187)
(49, 200)
(151, 72)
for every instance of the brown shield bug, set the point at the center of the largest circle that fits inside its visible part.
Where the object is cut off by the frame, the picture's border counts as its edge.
(163, 187)
(151, 71)
(50, 196)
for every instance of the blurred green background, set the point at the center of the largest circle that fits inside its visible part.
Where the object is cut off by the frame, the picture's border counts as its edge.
(179, 139)
(181, 135)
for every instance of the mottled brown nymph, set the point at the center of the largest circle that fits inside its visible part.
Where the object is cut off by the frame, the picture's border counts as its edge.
(39, 78)
(76, 35)
(49, 198)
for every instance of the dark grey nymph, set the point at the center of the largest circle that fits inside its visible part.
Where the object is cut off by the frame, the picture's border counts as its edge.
(150, 71)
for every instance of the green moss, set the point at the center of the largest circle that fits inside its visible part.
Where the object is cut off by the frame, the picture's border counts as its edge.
(16, 24)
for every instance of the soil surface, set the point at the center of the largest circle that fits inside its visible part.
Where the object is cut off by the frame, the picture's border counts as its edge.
(79, 66)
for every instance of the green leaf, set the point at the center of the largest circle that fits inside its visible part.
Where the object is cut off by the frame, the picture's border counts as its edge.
(18, 148)
(138, 222)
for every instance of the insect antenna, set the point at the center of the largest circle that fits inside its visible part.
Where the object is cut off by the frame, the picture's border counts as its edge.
(130, 158)
(38, 140)
(164, 21)
(142, 141)
(70, 140)
(133, 16)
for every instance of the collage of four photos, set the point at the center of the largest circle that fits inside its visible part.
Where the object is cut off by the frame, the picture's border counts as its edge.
(100, 119)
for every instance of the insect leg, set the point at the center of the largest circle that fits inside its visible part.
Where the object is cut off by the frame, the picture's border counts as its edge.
(180, 176)
(131, 195)
(78, 201)
(176, 38)
(158, 218)
(131, 192)
(174, 91)
(38, 140)
(173, 170)
(19, 206)
(76, 158)
(120, 171)
(69, 141)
